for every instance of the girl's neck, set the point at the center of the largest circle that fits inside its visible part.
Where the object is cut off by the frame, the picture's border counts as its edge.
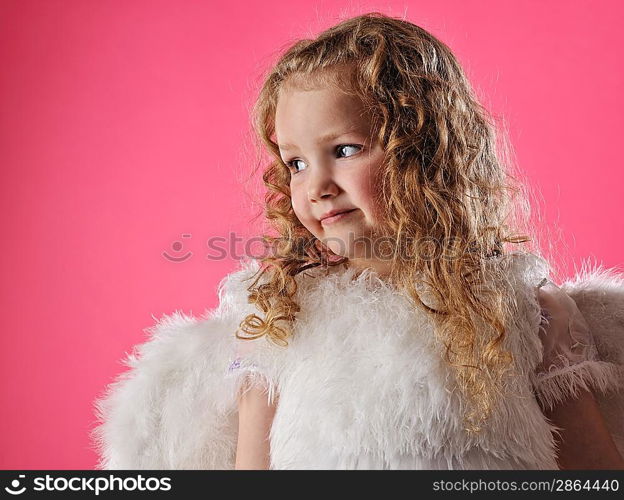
(381, 268)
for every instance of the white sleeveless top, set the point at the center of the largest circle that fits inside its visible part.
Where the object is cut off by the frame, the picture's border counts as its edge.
(363, 382)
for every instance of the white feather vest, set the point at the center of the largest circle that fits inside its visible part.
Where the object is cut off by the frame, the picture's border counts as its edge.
(362, 384)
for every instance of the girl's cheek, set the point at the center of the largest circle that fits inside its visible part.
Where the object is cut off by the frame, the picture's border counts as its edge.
(297, 201)
(298, 208)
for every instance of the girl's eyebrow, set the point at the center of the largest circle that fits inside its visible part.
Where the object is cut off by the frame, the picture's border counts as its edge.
(325, 138)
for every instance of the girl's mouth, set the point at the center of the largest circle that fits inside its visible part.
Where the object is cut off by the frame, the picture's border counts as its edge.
(338, 217)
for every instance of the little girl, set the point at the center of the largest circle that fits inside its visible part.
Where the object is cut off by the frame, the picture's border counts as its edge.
(391, 327)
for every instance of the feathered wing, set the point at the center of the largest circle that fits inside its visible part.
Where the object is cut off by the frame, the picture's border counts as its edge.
(599, 296)
(175, 408)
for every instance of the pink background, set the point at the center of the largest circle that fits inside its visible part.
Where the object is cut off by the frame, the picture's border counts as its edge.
(124, 125)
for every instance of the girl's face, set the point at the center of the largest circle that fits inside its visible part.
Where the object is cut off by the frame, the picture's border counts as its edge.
(325, 138)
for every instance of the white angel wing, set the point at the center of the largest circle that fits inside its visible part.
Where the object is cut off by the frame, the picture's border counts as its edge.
(176, 408)
(173, 409)
(599, 295)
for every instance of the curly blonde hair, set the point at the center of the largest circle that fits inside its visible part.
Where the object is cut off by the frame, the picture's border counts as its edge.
(445, 188)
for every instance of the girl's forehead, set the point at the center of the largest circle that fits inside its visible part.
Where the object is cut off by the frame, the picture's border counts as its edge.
(317, 117)
(325, 103)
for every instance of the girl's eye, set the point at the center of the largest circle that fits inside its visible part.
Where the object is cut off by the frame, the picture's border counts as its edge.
(292, 163)
(354, 146)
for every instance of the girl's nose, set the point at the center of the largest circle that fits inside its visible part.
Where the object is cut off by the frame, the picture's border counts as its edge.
(321, 184)
(321, 190)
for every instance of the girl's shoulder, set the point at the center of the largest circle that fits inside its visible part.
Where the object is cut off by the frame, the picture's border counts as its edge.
(525, 267)
(519, 275)
(233, 287)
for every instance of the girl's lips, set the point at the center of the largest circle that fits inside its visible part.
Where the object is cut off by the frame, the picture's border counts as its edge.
(337, 217)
